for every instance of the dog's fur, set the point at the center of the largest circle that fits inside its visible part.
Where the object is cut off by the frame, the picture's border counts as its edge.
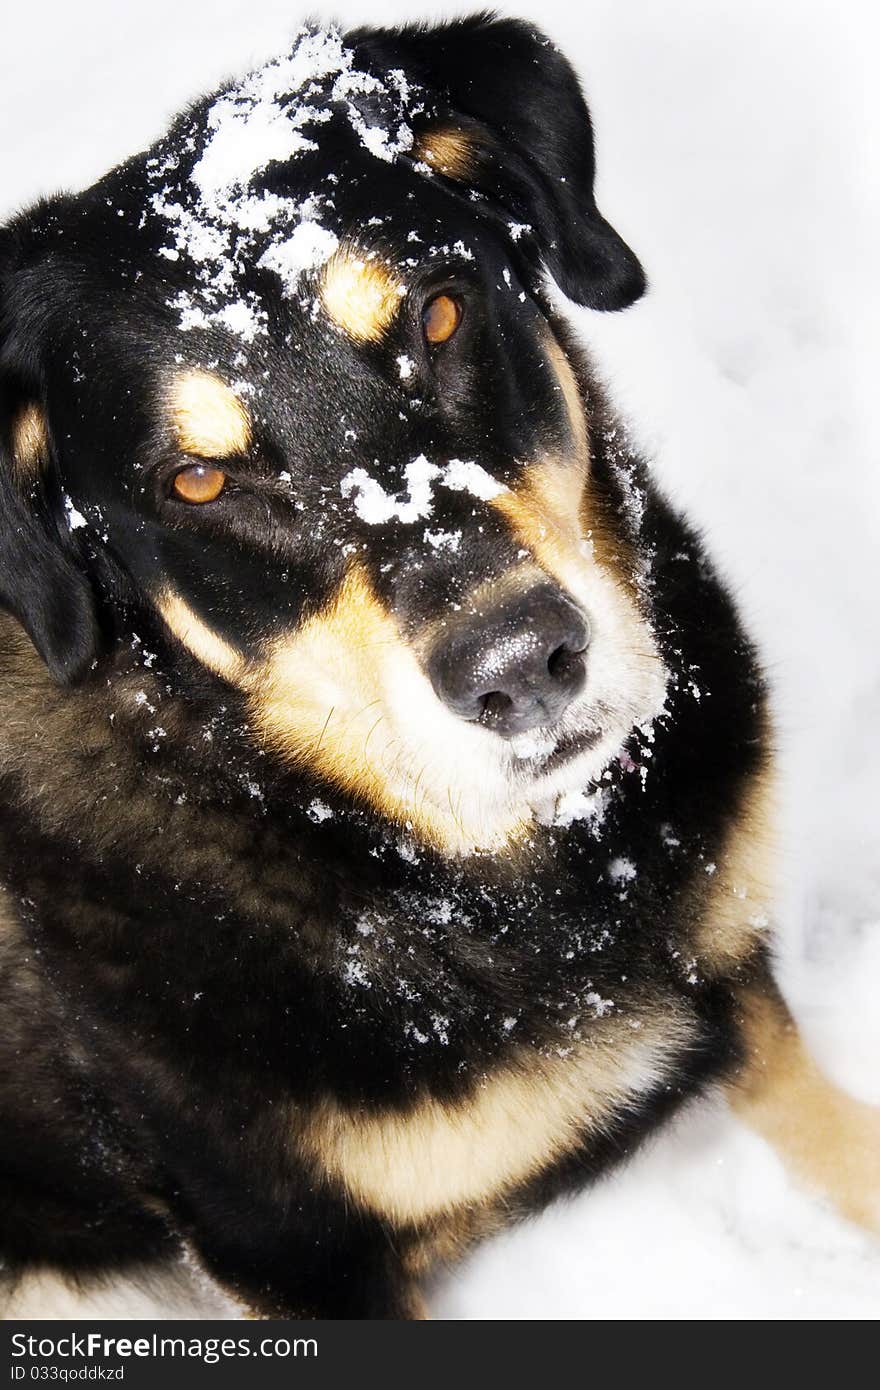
(305, 978)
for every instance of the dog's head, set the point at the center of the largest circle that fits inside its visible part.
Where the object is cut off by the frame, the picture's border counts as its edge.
(290, 382)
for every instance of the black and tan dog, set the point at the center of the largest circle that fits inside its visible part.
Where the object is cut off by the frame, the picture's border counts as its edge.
(385, 772)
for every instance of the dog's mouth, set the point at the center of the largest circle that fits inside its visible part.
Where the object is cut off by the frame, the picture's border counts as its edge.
(545, 750)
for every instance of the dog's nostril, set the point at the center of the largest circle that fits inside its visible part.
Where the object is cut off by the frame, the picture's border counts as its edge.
(496, 708)
(565, 662)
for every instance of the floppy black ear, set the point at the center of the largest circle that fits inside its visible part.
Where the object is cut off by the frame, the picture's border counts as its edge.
(519, 100)
(41, 581)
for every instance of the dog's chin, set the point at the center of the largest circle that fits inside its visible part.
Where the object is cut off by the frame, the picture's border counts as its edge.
(561, 763)
(490, 800)
(540, 776)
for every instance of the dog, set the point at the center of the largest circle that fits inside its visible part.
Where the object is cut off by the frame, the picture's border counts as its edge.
(386, 841)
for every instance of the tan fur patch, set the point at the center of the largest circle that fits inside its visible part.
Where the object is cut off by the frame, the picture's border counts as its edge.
(447, 151)
(741, 888)
(544, 515)
(319, 697)
(547, 512)
(205, 644)
(552, 514)
(574, 403)
(207, 417)
(555, 512)
(829, 1140)
(415, 1166)
(313, 684)
(446, 1239)
(320, 700)
(360, 294)
(30, 442)
(167, 1292)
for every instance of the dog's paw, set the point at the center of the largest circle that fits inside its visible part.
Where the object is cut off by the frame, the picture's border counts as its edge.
(828, 1140)
(847, 1158)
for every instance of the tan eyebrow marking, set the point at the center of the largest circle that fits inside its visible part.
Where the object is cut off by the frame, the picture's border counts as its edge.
(361, 294)
(205, 644)
(447, 151)
(208, 418)
(29, 441)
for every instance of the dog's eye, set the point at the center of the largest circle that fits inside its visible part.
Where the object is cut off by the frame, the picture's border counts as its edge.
(199, 482)
(441, 317)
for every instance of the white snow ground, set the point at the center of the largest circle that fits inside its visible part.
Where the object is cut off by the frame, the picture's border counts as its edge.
(738, 151)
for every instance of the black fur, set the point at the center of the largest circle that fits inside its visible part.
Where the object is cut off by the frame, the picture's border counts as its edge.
(518, 89)
(175, 970)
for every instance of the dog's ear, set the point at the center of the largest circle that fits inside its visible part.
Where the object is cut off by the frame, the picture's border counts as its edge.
(513, 122)
(42, 582)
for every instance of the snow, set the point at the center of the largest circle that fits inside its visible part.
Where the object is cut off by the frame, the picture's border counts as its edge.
(736, 151)
(213, 214)
(374, 505)
(621, 870)
(579, 806)
(534, 744)
(250, 125)
(444, 540)
(307, 248)
(75, 518)
(463, 475)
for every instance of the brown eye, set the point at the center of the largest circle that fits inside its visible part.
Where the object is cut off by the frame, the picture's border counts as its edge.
(200, 482)
(441, 317)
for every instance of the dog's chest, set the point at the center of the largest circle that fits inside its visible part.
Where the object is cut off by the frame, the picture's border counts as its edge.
(412, 1165)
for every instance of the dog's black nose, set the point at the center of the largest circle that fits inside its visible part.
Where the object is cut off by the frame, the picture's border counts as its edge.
(517, 667)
